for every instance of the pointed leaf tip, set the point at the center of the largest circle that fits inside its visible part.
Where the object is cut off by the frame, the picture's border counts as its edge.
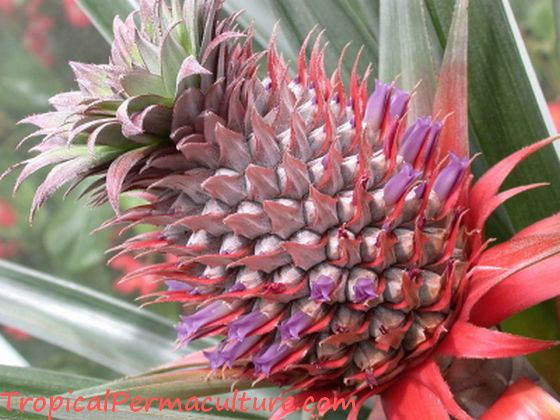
(118, 171)
(452, 92)
(466, 340)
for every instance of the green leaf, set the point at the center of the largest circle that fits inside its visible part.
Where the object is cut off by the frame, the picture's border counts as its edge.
(31, 382)
(182, 383)
(407, 53)
(65, 240)
(25, 85)
(506, 107)
(344, 22)
(100, 328)
(10, 356)
(41, 382)
(103, 12)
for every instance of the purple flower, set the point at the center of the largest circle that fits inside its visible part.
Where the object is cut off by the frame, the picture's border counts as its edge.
(178, 286)
(191, 324)
(377, 104)
(414, 138)
(322, 288)
(364, 290)
(237, 287)
(240, 328)
(398, 185)
(450, 177)
(270, 357)
(399, 102)
(292, 327)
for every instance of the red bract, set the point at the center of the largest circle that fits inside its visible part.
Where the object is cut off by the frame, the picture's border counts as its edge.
(336, 248)
(74, 14)
(524, 401)
(554, 108)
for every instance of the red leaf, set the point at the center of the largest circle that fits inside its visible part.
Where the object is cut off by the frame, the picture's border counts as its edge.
(411, 400)
(430, 375)
(468, 341)
(508, 258)
(522, 290)
(451, 95)
(489, 184)
(524, 401)
(550, 224)
(491, 205)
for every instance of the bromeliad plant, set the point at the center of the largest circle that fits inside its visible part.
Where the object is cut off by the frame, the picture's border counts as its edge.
(332, 239)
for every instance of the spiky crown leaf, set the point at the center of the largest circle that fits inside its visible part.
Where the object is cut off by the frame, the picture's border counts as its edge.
(320, 235)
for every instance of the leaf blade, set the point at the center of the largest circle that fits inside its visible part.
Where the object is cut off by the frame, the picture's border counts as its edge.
(119, 335)
(102, 13)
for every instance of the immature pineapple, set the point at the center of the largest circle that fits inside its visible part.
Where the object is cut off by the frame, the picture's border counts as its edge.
(321, 236)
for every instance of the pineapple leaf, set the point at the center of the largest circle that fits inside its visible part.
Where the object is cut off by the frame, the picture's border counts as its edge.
(48, 383)
(451, 101)
(100, 328)
(344, 22)
(102, 13)
(9, 355)
(143, 83)
(407, 52)
(40, 382)
(118, 171)
(507, 110)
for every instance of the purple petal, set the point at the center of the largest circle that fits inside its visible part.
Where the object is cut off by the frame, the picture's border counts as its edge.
(233, 350)
(450, 176)
(377, 104)
(237, 287)
(398, 184)
(322, 288)
(270, 357)
(364, 290)
(240, 328)
(191, 324)
(414, 138)
(291, 328)
(399, 102)
(433, 137)
(215, 358)
(420, 190)
(178, 286)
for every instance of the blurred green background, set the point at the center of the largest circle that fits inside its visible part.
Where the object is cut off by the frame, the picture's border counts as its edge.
(37, 39)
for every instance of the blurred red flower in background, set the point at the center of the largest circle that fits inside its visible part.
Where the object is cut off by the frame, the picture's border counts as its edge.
(140, 285)
(16, 334)
(74, 14)
(7, 7)
(8, 216)
(36, 38)
(8, 219)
